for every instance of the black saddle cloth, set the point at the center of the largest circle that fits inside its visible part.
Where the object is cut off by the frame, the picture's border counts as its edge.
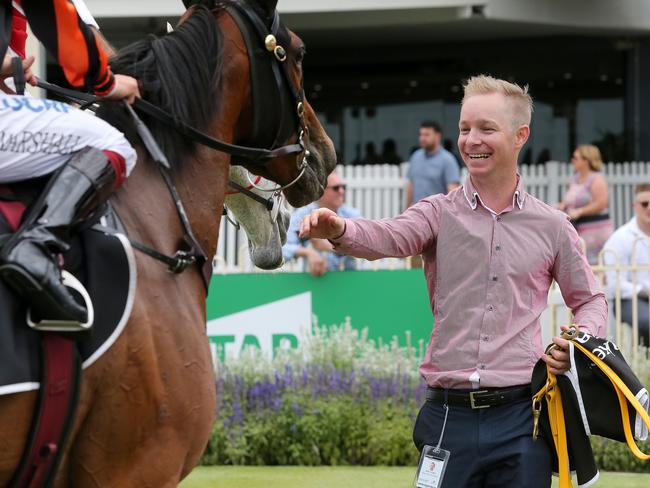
(104, 264)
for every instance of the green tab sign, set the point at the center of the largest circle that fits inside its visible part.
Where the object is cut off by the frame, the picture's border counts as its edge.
(271, 310)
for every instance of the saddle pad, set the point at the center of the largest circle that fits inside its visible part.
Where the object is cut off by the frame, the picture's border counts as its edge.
(108, 272)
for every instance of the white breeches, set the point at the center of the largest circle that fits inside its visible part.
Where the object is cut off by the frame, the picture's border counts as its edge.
(37, 136)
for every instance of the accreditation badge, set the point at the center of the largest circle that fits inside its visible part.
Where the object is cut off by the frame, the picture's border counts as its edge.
(431, 468)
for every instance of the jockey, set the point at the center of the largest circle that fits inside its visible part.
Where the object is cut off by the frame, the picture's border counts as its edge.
(38, 137)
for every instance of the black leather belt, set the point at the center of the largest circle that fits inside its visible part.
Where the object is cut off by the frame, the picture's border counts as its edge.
(485, 398)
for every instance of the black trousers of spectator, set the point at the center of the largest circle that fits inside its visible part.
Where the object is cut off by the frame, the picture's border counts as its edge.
(643, 309)
(490, 448)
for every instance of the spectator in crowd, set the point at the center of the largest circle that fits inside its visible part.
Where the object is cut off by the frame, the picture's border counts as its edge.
(319, 253)
(389, 153)
(448, 144)
(371, 156)
(630, 246)
(491, 251)
(433, 169)
(586, 200)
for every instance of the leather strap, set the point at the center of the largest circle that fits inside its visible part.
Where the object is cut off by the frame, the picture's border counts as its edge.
(476, 399)
(18, 74)
(60, 374)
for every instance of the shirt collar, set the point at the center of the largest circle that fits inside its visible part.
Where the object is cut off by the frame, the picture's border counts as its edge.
(473, 198)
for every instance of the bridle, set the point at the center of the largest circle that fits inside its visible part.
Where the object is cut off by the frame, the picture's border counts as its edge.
(273, 54)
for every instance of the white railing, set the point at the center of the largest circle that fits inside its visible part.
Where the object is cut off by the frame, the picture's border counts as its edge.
(378, 191)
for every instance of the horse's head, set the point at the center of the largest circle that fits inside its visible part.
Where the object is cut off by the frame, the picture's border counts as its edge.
(266, 230)
(276, 112)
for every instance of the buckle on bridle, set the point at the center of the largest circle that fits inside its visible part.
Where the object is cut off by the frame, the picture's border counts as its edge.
(472, 400)
(181, 261)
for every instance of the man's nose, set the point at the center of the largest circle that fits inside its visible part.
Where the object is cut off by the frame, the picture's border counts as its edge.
(473, 137)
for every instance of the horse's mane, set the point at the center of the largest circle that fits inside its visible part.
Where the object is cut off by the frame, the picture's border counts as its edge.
(180, 73)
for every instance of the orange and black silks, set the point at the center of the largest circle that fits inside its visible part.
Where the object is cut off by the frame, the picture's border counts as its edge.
(599, 395)
(67, 38)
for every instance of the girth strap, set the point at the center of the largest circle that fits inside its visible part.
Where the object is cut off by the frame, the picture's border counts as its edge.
(60, 378)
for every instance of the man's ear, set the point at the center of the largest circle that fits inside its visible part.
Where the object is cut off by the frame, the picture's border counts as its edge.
(521, 135)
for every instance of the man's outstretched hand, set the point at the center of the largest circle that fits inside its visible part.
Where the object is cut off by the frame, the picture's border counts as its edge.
(322, 223)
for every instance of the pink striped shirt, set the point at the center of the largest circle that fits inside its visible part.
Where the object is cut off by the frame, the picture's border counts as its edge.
(488, 278)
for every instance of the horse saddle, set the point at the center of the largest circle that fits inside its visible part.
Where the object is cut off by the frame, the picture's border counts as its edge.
(102, 260)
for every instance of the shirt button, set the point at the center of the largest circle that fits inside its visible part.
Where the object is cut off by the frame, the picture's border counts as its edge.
(481, 366)
(485, 338)
(498, 248)
(495, 278)
(498, 219)
(490, 308)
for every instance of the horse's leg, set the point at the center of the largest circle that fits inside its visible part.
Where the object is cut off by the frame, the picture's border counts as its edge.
(147, 406)
(16, 413)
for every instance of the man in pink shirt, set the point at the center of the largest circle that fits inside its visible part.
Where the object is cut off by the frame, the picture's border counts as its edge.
(490, 253)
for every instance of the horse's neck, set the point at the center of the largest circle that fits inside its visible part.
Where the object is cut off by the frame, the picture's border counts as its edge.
(147, 208)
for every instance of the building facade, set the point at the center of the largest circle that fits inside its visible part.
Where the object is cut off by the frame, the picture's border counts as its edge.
(376, 68)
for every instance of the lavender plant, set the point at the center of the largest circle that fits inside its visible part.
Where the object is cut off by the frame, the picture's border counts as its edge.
(340, 398)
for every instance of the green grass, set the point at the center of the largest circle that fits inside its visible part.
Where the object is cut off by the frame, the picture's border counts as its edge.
(345, 477)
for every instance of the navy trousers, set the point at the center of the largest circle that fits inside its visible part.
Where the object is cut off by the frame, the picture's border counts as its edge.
(490, 447)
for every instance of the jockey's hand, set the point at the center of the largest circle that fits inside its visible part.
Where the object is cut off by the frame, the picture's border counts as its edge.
(126, 88)
(558, 359)
(6, 70)
(322, 223)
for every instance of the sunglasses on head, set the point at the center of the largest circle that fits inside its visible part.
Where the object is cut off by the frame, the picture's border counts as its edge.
(338, 187)
(644, 204)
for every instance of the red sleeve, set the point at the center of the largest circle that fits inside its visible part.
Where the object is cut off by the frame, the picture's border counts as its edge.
(18, 31)
(71, 42)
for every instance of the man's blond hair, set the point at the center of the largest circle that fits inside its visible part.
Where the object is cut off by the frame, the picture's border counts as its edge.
(520, 101)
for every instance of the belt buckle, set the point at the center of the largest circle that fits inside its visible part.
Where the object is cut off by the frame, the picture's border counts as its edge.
(472, 401)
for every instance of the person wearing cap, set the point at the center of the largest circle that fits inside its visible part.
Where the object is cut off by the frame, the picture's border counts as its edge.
(490, 251)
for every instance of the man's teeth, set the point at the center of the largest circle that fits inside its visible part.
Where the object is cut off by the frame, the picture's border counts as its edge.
(479, 156)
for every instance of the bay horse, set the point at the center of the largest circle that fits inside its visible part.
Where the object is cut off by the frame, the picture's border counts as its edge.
(146, 407)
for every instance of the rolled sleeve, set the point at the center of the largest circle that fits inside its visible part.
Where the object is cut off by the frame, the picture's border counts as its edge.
(578, 284)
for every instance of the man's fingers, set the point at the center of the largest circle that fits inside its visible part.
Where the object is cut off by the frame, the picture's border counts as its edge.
(314, 219)
(553, 363)
(28, 61)
(305, 227)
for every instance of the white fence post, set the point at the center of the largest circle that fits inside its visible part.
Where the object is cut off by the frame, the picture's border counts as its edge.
(553, 189)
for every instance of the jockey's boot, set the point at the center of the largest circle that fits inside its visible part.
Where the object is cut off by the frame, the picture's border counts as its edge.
(31, 259)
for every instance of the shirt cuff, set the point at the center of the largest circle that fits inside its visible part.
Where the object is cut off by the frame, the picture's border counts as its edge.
(108, 88)
(347, 237)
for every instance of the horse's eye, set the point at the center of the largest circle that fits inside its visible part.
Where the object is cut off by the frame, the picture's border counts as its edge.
(300, 55)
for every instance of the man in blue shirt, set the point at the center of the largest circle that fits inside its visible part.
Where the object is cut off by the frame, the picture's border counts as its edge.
(433, 169)
(319, 253)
